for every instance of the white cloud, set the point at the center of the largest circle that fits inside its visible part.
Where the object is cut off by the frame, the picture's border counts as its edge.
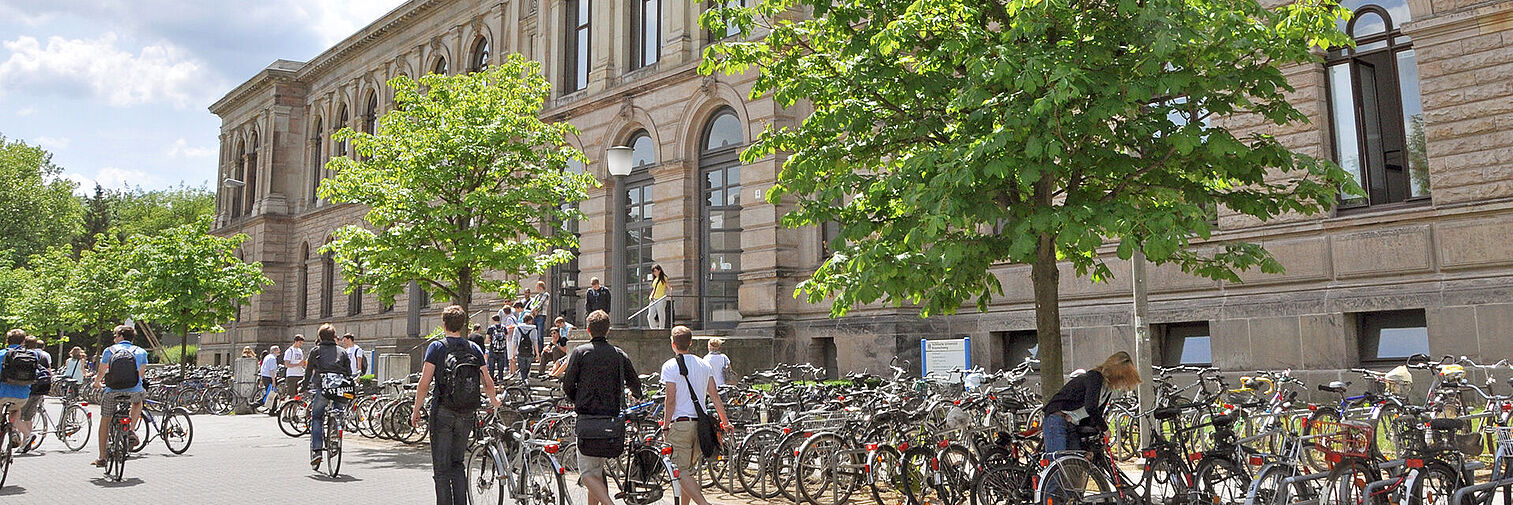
(113, 178)
(334, 20)
(53, 143)
(97, 68)
(26, 111)
(181, 149)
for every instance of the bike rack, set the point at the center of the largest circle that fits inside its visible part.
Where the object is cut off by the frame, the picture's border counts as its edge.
(1372, 488)
(1296, 479)
(1460, 494)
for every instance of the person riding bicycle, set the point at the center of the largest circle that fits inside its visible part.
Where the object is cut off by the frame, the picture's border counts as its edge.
(40, 388)
(330, 369)
(122, 367)
(1081, 401)
(18, 369)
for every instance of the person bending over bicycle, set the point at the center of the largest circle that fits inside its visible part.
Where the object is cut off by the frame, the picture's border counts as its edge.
(1082, 400)
(121, 371)
(331, 372)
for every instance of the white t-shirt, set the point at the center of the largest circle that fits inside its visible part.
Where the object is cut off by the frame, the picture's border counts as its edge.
(353, 354)
(294, 355)
(698, 375)
(269, 366)
(718, 362)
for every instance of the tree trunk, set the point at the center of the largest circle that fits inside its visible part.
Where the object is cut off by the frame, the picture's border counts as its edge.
(465, 290)
(1044, 277)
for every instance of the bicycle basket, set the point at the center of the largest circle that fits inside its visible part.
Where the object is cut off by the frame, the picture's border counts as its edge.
(1349, 439)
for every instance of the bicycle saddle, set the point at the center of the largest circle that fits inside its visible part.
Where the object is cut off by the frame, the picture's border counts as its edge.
(1221, 421)
(1166, 413)
(1447, 424)
(1334, 387)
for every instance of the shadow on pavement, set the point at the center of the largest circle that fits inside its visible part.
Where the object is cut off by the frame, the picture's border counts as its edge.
(338, 478)
(12, 490)
(402, 458)
(127, 482)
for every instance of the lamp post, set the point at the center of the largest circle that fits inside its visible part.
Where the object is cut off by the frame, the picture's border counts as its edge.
(618, 159)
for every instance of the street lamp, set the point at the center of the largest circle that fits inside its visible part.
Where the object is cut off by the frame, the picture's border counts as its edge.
(618, 160)
(233, 183)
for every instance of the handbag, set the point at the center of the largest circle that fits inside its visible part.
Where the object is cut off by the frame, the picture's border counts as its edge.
(601, 436)
(707, 427)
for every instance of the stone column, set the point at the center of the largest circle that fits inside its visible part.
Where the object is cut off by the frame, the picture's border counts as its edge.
(675, 231)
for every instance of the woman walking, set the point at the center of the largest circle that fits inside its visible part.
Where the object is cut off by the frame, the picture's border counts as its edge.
(656, 316)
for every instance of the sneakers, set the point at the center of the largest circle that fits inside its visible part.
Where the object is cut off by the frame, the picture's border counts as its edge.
(315, 459)
(131, 440)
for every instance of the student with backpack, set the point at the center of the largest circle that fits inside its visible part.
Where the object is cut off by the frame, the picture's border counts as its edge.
(525, 346)
(330, 377)
(121, 369)
(40, 387)
(499, 345)
(458, 370)
(18, 371)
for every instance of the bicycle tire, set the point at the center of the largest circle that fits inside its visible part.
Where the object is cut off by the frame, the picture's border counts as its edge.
(885, 482)
(333, 443)
(1066, 481)
(75, 427)
(1313, 458)
(822, 474)
(116, 451)
(544, 486)
(1124, 432)
(751, 463)
(1220, 480)
(220, 401)
(956, 469)
(38, 433)
(7, 453)
(1346, 484)
(1268, 488)
(485, 484)
(914, 475)
(1435, 484)
(177, 431)
(1003, 480)
(293, 418)
(1385, 446)
(782, 466)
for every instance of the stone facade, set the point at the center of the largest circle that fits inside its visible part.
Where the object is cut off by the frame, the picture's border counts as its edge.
(1442, 258)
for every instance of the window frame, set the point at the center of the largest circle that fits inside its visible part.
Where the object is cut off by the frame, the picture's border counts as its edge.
(575, 53)
(1365, 322)
(639, 58)
(711, 161)
(1185, 330)
(478, 56)
(640, 179)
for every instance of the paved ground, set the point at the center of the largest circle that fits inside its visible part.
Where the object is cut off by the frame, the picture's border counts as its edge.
(233, 459)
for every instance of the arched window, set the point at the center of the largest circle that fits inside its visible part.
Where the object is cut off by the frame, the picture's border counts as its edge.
(327, 283)
(638, 216)
(317, 158)
(342, 120)
(646, 32)
(250, 163)
(720, 164)
(370, 114)
(440, 67)
(480, 55)
(238, 172)
(1375, 111)
(564, 276)
(304, 281)
(354, 299)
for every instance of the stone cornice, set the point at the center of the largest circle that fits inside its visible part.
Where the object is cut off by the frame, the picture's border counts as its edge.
(1459, 20)
(263, 80)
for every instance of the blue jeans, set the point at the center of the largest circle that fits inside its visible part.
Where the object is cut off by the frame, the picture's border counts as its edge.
(499, 365)
(318, 406)
(449, 447)
(1059, 434)
(523, 366)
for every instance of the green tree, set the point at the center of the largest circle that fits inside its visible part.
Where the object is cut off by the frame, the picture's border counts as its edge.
(97, 290)
(40, 305)
(460, 179)
(187, 280)
(961, 135)
(98, 212)
(146, 212)
(37, 203)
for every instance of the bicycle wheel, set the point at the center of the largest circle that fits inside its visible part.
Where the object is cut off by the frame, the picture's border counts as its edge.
(1124, 431)
(333, 434)
(1072, 481)
(1167, 481)
(220, 401)
(293, 418)
(177, 431)
(783, 468)
(1386, 444)
(826, 472)
(1314, 459)
(74, 427)
(543, 485)
(1004, 480)
(886, 480)
(7, 453)
(750, 463)
(485, 482)
(416, 432)
(1346, 484)
(115, 456)
(1221, 481)
(41, 425)
(1435, 485)
(1268, 488)
(916, 468)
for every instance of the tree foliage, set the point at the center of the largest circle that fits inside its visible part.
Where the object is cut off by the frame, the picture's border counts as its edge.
(43, 298)
(188, 280)
(139, 211)
(37, 203)
(959, 135)
(461, 178)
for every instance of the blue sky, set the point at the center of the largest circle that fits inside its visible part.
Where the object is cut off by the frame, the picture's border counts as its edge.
(118, 90)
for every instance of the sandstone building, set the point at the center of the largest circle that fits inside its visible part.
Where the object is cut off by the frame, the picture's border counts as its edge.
(1421, 110)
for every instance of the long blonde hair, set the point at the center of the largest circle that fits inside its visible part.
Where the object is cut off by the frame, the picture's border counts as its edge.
(1119, 370)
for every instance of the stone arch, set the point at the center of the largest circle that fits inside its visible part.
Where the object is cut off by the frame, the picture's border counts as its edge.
(630, 119)
(480, 33)
(439, 53)
(713, 96)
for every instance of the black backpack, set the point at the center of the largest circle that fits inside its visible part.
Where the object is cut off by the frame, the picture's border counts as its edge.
(20, 367)
(527, 344)
(461, 385)
(123, 369)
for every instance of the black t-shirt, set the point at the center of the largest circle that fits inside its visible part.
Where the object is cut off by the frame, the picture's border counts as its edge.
(477, 338)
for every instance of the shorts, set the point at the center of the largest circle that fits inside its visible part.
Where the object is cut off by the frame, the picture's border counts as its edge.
(108, 406)
(29, 410)
(590, 466)
(683, 436)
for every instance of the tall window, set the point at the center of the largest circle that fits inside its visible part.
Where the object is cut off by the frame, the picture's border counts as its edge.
(327, 283)
(646, 29)
(304, 281)
(370, 115)
(721, 166)
(250, 168)
(576, 52)
(729, 31)
(639, 214)
(1377, 117)
(440, 67)
(565, 275)
(479, 61)
(317, 158)
(354, 300)
(342, 118)
(238, 172)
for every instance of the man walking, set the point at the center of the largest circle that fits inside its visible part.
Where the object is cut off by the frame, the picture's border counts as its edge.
(687, 379)
(458, 369)
(294, 366)
(526, 347)
(596, 375)
(598, 297)
(267, 379)
(499, 347)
